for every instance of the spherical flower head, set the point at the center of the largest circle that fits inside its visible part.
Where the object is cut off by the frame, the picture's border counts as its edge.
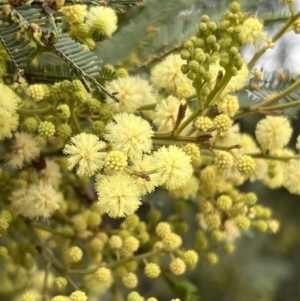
(131, 244)
(228, 104)
(174, 166)
(166, 113)
(86, 151)
(222, 122)
(246, 165)
(115, 242)
(104, 276)
(36, 92)
(190, 258)
(132, 93)
(74, 13)
(177, 266)
(193, 151)
(203, 124)
(171, 242)
(242, 222)
(74, 254)
(8, 101)
(252, 31)
(102, 20)
(163, 229)
(28, 297)
(118, 195)
(46, 129)
(187, 191)
(167, 75)
(236, 83)
(24, 150)
(60, 283)
(223, 160)
(115, 161)
(143, 165)
(152, 270)
(135, 296)
(78, 296)
(292, 177)
(8, 125)
(51, 174)
(224, 202)
(130, 280)
(130, 134)
(273, 132)
(37, 200)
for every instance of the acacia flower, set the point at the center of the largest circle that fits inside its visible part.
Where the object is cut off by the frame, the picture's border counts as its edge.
(8, 101)
(118, 195)
(8, 125)
(51, 174)
(166, 112)
(273, 132)
(143, 165)
(132, 93)
(37, 200)
(174, 166)
(291, 178)
(130, 134)
(102, 20)
(74, 13)
(24, 150)
(168, 75)
(252, 30)
(88, 152)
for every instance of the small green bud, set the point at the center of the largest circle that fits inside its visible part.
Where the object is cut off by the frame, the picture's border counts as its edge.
(98, 127)
(188, 44)
(204, 18)
(184, 69)
(63, 111)
(46, 129)
(121, 73)
(30, 125)
(217, 235)
(242, 222)
(191, 75)
(202, 27)
(63, 131)
(229, 248)
(200, 57)
(207, 76)
(211, 39)
(212, 258)
(235, 7)
(194, 66)
(199, 43)
(153, 216)
(212, 26)
(184, 54)
(260, 225)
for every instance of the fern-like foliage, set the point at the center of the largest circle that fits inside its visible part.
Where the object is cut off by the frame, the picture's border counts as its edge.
(271, 83)
(51, 54)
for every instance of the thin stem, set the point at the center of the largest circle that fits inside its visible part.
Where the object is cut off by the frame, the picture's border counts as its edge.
(53, 231)
(193, 116)
(34, 111)
(283, 106)
(148, 107)
(46, 296)
(281, 31)
(270, 157)
(116, 263)
(47, 255)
